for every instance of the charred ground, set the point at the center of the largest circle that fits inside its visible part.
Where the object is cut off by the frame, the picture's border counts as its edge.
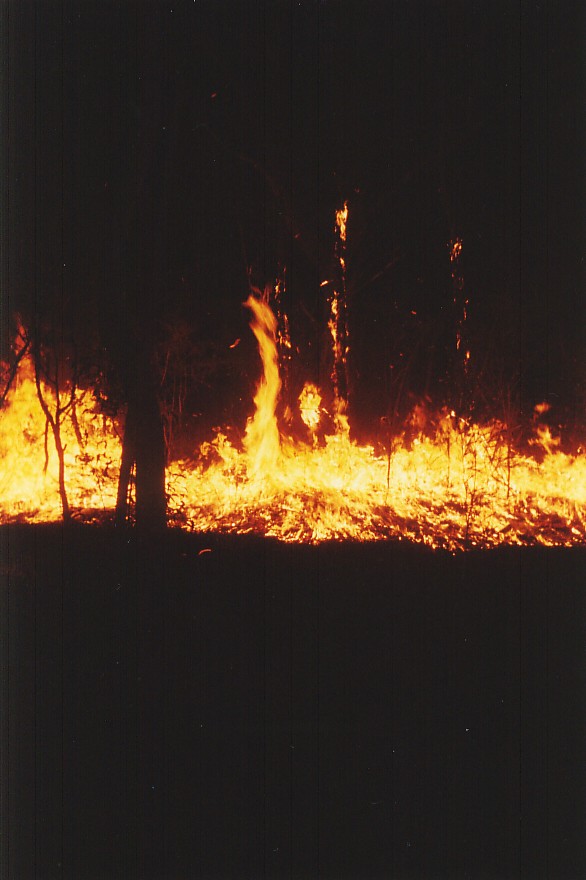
(229, 707)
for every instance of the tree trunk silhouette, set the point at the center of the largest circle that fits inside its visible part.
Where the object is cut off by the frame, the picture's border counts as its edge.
(54, 421)
(143, 449)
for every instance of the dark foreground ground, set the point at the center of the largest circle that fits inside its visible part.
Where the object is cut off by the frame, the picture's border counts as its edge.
(273, 711)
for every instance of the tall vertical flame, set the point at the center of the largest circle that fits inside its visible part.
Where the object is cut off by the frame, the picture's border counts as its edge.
(262, 432)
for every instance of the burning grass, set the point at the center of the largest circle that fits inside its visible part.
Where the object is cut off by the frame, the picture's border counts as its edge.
(461, 488)
(29, 469)
(447, 482)
(462, 485)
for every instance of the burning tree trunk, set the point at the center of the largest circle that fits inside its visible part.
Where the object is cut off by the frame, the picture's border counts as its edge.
(460, 352)
(338, 322)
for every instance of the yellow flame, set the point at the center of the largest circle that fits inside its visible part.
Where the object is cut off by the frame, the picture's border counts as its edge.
(460, 485)
(341, 221)
(262, 433)
(455, 249)
(445, 481)
(29, 465)
(309, 405)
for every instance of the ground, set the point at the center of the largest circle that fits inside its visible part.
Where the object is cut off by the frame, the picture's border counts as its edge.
(223, 707)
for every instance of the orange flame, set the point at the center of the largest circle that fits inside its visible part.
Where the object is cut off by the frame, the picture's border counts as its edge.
(29, 465)
(455, 249)
(309, 406)
(445, 481)
(262, 433)
(462, 484)
(341, 220)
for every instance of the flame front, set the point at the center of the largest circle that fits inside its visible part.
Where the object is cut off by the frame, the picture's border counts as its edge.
(463, 486)
(459, 485)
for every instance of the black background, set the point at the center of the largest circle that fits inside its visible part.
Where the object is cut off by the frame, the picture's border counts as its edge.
(261, 710)
(155, 152)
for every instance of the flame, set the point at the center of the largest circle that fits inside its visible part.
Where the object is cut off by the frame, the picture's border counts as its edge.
(262, 433)
(341, 220)
(338, 327)
(461, 485)
(29, 465)
(309, 406)
(444, 481)
(455, 249)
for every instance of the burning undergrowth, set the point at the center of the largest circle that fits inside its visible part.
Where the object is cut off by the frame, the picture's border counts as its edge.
(463, 485)
(442, 479)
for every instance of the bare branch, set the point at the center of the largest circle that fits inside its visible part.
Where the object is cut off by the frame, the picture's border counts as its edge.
(13, 371)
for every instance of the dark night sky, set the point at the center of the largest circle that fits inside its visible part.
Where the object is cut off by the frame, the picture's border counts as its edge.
(154, 150)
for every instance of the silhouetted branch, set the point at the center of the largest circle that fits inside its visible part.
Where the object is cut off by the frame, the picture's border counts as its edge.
(13, 371)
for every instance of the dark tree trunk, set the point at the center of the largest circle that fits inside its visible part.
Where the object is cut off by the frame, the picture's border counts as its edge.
(134, 309)
(126, 465)
(55, 422)
(143, 448)
(61, 457)
(151, 501)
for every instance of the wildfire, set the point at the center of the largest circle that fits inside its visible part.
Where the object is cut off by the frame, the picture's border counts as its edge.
(29, 471)
(453, 485)
(462, 486)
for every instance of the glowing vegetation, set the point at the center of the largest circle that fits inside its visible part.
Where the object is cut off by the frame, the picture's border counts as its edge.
(29, 464)
(443, 480)
(461, 486)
